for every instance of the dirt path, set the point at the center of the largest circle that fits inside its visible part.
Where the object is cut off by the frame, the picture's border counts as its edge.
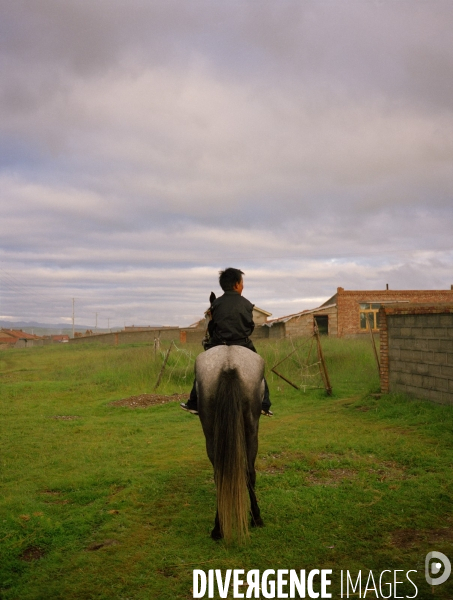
(145, 400)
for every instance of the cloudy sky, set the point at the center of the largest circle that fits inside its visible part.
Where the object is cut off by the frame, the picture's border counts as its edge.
(146, 144)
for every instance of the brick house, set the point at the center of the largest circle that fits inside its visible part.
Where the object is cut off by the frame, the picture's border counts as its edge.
(11, 337)
(60, 338)
(348, 312)
(354, 308)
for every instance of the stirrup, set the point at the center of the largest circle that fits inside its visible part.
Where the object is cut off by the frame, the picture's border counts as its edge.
(186, 407)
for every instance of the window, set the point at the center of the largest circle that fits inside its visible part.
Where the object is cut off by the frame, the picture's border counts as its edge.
(369, 312)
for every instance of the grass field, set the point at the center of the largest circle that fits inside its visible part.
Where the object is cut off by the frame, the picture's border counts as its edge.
(107, 502)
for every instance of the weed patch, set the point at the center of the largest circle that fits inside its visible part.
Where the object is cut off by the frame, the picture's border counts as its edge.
(100, 501)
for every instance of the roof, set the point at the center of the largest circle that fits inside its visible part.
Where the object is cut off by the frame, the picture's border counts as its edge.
(332, 300)
(390, 292)
(199, 323)
(59, 337)
(18, 334)
(268, 314)
(304, 312)
(5, 338)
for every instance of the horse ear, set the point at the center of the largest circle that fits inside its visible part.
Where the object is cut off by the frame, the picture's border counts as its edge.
(212, 298)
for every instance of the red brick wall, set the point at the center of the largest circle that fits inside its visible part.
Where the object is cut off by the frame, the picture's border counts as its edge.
(348, 304)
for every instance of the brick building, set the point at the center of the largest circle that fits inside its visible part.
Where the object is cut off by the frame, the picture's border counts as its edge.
(354, 308)
(348, 312)
(302, 324)
(16, 337)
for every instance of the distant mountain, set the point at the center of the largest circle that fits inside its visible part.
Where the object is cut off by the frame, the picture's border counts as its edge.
(50, 329)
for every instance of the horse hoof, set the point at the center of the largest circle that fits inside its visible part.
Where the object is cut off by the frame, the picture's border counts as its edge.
(216, 535)
(258, 522)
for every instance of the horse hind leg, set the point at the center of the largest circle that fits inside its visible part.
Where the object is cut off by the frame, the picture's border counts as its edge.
(252, 451)
(255, 513)
(216, 533)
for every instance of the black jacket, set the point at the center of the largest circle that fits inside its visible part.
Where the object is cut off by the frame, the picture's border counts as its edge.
(232, 318)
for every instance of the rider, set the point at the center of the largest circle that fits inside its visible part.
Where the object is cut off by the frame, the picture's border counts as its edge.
(231, 324)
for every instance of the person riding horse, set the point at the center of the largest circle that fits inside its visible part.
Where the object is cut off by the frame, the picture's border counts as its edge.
(231, 324)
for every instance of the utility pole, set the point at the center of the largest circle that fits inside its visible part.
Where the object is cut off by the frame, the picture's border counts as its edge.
(96, 326)
(73, 317)
(108, 323)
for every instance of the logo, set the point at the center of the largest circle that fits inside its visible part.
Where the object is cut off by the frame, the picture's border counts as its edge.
(434, 562)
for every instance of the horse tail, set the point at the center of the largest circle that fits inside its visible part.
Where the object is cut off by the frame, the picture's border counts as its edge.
(230, 457)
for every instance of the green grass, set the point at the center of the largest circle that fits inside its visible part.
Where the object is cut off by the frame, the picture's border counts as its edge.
(119, 503)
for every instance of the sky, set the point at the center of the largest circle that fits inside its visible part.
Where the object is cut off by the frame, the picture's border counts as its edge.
(145, 145)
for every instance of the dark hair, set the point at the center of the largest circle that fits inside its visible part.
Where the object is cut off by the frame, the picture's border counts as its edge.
(229, 278)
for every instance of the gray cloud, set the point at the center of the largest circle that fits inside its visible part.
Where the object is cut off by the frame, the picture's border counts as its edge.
(144, 146)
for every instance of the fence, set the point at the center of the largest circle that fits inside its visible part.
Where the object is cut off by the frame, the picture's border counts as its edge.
(417, 350)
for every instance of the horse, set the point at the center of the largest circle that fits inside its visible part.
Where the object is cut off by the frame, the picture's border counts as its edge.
(230, 390)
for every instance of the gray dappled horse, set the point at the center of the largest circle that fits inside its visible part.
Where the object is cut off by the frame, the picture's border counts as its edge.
(230, 390)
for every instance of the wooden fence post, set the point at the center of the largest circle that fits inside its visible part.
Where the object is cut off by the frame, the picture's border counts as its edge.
(373, 343)
(163, 367)
(322, 364)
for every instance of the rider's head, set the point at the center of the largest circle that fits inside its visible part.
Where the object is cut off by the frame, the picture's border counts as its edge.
(231, 279)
